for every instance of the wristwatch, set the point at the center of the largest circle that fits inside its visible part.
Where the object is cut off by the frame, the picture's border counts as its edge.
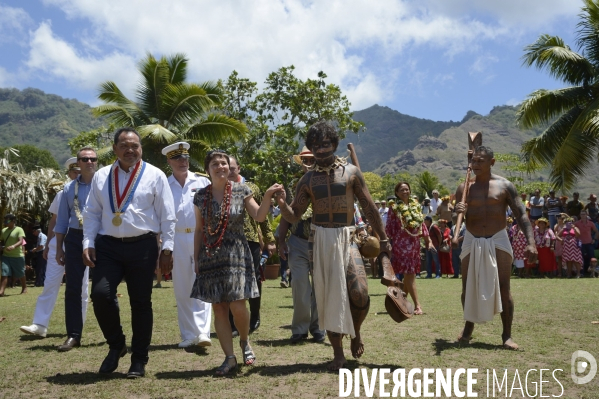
(167, 252)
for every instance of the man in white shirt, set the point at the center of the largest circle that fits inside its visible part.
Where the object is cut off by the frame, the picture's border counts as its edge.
(435, 202)
(130, 203)
(54, 272)
(384, 211)
(193, 314)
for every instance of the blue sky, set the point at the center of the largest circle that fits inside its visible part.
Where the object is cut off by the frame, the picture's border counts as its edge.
(432, 59)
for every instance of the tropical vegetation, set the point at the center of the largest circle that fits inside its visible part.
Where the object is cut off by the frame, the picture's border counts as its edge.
(168, 109)
(570, 141)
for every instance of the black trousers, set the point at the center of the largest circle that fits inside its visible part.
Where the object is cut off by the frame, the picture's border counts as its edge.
(135, 261)
(254, 302)
(74, 270)
(40, 269)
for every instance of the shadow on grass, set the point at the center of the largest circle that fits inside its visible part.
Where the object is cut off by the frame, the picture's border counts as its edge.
(187, 375)
(286, 327)
(286, 307)
(30, 337)
(85, 378)
(442, 344)
(287, 342)
(52, 348)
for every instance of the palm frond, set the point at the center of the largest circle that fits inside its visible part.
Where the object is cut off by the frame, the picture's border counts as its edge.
(587, 34)
(542, 106)
(177, 65)
(216, 128)
(542, 150)
(552, 54)
(118, 115)
(185, 103)
(574, 156)
(157, 133)
(150, 89)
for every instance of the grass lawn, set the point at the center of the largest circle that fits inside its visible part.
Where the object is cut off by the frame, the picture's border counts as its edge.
(552, 320)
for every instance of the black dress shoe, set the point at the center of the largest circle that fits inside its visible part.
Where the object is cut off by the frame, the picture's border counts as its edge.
(69, 344)
(295, 338)
(317, 336)
(137, 369)
(111, 362)
(254, 325)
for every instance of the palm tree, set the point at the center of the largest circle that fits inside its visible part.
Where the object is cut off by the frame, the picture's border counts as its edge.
(426, 182)
(569, 143)
(167, 110)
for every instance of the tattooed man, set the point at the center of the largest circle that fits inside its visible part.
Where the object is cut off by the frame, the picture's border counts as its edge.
(340, 283)
(486, 250)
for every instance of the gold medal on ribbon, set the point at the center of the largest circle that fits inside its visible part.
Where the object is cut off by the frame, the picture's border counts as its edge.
(117, 220)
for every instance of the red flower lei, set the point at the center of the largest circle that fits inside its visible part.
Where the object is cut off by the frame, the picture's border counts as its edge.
(223, 220)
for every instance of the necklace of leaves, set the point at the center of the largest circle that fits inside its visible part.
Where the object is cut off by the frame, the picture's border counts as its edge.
(410, 216)
(223, 220)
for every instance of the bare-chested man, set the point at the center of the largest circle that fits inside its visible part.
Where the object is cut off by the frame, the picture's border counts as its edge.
(330, 186)
(486, 238)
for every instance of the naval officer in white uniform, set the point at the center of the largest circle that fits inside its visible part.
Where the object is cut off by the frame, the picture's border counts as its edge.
(193, 314)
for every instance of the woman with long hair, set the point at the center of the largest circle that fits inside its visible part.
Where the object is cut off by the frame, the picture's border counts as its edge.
(224, 267)
(405, 226)
(445, 256)
(545, 239)
(571, 253)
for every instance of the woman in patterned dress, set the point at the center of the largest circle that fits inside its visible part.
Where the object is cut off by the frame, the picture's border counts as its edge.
(544, 239)
(571, 253)
(406, 240)
(445, 257)
(519, 244)
(557, 229)
(223, 262)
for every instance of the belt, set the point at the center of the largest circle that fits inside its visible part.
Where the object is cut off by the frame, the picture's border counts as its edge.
(131, 239)
(80, 231)
(187, 230)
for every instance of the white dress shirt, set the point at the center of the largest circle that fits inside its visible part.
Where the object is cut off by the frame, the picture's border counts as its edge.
(183, 200)
(151, 209)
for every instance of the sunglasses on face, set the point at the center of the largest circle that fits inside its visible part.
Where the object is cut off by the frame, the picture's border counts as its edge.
(88, 159)
(308, 161)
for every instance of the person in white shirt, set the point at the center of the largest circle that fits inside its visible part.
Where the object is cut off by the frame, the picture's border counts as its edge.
(130, 203)
(193, 315)
(435, 202)
(54, 272)
(384, 211)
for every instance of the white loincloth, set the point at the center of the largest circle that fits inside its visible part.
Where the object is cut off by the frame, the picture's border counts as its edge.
(483, 299)
(331, 257)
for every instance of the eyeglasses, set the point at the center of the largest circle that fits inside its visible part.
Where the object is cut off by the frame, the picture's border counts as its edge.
(308, 161)
(88, 159)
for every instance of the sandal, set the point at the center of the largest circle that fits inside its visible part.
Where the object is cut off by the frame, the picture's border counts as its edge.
(226, 367)
(248, 354)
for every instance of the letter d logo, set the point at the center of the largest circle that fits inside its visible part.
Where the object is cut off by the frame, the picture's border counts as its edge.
(581, 366)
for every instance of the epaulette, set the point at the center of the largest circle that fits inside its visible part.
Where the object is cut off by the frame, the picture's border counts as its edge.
(201, 174)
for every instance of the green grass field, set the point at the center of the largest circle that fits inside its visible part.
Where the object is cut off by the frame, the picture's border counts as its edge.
(553, 318)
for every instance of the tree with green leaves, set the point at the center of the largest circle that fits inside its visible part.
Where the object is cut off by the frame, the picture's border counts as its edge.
(525, 180)
(426, 182)
(375, 185)
(31, 158)
(569, 143)
(168, 109)
(278, 118)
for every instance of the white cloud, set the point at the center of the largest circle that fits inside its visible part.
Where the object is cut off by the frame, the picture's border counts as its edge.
(59, 59)
(13, 24)
(482, 64)
(259, 37)
(513, 102)
(7, 79)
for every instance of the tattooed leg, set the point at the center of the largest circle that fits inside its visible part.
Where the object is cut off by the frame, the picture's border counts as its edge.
(339, 361)
(359, 301)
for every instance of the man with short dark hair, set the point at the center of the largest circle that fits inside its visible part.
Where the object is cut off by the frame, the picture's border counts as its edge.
(536, 205)
(13, 257)
(129, 204)
(486, 250)
(40, 262)
(69, 230)
(586, 228)
(553, 208)
(432, 255)
(575, 206)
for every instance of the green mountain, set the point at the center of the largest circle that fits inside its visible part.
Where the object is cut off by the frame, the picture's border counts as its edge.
(446, 154)
(46, 121)
(388, 132)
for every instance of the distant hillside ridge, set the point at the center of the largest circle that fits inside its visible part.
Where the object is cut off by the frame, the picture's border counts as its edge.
(388, 132)
(46, 121)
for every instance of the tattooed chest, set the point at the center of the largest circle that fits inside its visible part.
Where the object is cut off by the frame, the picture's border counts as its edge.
(331, 199)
